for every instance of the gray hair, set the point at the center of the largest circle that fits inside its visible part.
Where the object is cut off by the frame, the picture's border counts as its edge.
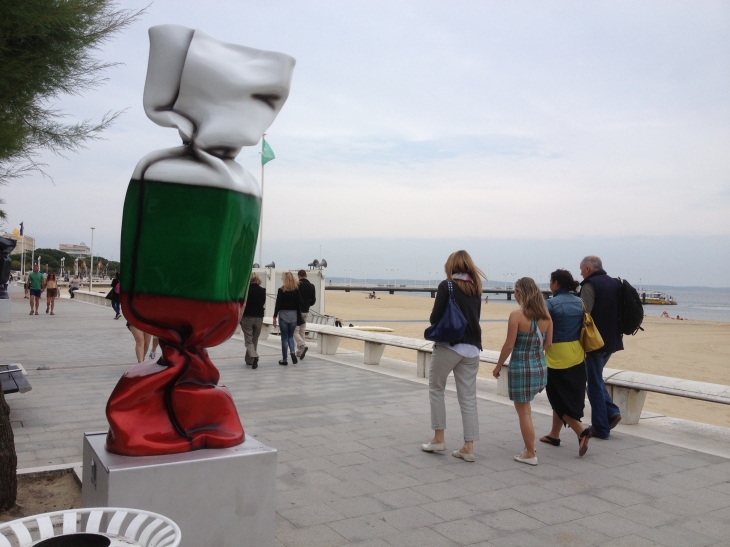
(593, 262)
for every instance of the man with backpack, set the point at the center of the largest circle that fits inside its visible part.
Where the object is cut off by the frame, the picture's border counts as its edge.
(602, 297)
(308, 298)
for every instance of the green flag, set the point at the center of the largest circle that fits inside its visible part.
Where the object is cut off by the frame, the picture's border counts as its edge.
(267, 154)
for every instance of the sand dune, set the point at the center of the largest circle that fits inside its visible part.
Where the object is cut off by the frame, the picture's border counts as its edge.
(695, 350)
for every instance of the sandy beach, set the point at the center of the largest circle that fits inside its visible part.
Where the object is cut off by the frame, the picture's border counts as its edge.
(694, 350)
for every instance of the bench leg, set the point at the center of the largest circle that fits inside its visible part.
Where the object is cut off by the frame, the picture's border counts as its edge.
(328, 343)
(423, 363)
(373, 353)
(630, 401)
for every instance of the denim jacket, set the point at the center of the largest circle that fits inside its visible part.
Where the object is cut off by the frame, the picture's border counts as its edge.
(566, 312)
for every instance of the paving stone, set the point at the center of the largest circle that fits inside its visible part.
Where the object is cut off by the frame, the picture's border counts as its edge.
(423, 537)
(549, 512)
(362, 528)
(403, 497)
(312, 536)
(569, 534)
(630, 541)
(673, 535)
(309, 515)
(453, 509)
(509, 521)
(465, 531)
(408, 518)
(610, 525)
(623, 496)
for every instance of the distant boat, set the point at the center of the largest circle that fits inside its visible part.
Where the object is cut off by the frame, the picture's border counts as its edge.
(658, 298)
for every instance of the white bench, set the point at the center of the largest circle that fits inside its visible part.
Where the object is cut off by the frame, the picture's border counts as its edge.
(628, 389)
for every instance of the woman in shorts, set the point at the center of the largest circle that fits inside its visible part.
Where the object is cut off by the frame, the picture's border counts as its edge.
(529, 334)
(51, 292)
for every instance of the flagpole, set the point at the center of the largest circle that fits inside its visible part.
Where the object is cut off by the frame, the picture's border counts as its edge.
(261, 218)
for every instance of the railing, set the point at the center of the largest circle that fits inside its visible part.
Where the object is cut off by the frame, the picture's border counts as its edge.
(93, 297)
(628, 389)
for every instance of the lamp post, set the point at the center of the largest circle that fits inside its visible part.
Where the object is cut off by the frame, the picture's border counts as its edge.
(63, 261)
(91, 262)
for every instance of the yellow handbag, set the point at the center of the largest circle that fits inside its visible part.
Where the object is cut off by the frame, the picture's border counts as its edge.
(590, 338)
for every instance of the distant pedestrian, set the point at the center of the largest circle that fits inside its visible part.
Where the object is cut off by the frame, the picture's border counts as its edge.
(26, 285)
(288, 310)
(601, 295)
(74, 285)
(529, 334)
(114, 295)
(309, 297)
(51, 285)
(460, 356)
(253, 320)
(566, 383)
(35, 282)
(155, 345)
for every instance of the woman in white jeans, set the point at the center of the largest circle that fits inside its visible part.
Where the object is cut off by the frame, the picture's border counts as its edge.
(460, 356)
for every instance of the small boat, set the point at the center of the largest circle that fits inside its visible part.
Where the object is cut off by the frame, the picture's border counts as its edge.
(658, 298)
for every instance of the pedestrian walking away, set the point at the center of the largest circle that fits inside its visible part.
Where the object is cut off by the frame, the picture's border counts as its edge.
(113, 295)
(288, 311)
(600, 294)
(51, 286)
(460, 356)
(26, 285)
(141, 342)
(529, 334)
(566, 380)
(309, 297)
(253, 319)
(35, 283)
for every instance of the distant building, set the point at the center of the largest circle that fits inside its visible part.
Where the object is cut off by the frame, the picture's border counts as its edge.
(75, 250)
(27, 241)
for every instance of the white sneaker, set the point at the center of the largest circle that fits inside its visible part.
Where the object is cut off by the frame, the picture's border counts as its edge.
(437, 447)
(463, 455)
(152, 355)
(522, 459)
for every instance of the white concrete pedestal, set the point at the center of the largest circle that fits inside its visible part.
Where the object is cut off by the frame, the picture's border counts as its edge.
(5, 307)
(219, 498)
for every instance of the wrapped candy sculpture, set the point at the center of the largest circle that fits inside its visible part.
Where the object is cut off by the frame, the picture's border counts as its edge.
(189, 231)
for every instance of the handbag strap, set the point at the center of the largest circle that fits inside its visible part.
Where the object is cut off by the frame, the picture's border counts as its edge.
(539, 334)
(451, 291)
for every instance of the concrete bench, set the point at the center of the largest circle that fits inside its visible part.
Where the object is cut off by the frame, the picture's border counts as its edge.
(97, 298)
(328, 340)
(13, 379)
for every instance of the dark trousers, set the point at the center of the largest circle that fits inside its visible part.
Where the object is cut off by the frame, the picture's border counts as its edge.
(602, 407)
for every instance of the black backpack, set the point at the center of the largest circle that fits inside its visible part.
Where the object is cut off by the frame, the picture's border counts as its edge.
(631, 311)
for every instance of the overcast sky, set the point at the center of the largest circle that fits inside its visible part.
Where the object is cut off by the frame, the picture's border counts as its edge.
(415, 128)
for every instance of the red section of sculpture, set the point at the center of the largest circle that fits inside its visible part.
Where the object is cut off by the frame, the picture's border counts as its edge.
(175, 404)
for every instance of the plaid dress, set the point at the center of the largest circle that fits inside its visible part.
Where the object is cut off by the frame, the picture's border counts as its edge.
(527, 371)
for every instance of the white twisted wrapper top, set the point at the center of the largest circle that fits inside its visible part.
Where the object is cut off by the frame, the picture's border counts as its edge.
(220, 97)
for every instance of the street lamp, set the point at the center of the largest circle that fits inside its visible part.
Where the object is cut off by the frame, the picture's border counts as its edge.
(91, 262)
(63, 261)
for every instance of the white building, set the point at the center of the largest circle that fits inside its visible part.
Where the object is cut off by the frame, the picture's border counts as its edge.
(75, 250)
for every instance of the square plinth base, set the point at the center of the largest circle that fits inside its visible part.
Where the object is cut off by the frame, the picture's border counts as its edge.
(219, 498)
(5, 307)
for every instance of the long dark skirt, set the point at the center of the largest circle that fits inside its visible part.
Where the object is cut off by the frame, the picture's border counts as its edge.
(566, 390)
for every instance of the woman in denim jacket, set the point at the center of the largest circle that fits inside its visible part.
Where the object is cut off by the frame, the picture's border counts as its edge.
(566, 384)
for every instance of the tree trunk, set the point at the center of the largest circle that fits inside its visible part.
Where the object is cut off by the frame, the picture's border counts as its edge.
(8, 459)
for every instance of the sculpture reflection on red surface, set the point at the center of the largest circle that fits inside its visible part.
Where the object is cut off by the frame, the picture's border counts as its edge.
(185, 201)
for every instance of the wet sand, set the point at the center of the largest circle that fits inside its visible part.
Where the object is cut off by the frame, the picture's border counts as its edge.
(694, 350)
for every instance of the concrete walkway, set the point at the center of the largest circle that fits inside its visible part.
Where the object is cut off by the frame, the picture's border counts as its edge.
(350, 469)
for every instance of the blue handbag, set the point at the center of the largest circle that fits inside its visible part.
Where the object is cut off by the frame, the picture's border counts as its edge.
(451, 326)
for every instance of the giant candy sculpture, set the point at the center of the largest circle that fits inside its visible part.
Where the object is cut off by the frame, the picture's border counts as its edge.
(189, 231)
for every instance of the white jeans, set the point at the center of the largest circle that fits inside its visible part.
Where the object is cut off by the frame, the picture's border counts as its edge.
(443, 361)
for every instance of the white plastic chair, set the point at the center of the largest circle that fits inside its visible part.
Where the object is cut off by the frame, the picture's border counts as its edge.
(140, 528)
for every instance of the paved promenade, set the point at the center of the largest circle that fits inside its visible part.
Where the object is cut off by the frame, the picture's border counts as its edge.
(350, 468)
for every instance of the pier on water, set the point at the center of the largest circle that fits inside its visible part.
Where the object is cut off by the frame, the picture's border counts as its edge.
(393, 288)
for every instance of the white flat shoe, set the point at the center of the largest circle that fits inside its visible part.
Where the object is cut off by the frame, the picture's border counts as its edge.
(528, 461)
(437, 447)
(463, 456)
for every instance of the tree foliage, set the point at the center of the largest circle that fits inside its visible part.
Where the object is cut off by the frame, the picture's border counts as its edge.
(47, 50)
(52, 259)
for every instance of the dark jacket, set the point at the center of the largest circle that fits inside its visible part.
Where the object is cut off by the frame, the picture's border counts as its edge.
(470, 306)
(308, 294)
(566, 311)
(289, 300)
(255, 301)
(606, 309)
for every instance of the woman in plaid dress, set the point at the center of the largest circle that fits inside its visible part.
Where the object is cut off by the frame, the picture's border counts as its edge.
(529, 334)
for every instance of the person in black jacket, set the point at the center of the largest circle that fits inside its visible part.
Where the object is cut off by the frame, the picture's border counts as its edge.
(253, 319)
(460, 356)
(309, 297)
(288, 310)
(600, 293)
